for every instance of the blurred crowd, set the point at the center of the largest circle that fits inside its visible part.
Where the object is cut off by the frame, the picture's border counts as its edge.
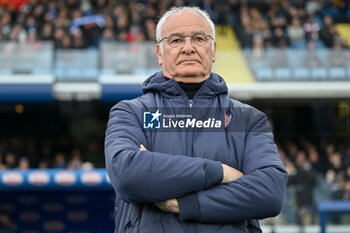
(25, 153)
(317, 171)
(295, 24)
(258, 23)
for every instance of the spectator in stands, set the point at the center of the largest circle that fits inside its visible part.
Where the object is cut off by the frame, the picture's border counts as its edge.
(296, 34)
(150, 28)
(277, 17)
(23, 163)
(312, 7)
(328, 32)
(18, 34)
(43, 165)
(108, 35)
(245, 31)
(319, 165)
(5, 24)
(329, 150)
(32, 37)
(75, 162)
(292, 150)
(60, 161)
(47, 33)
(221, 14)
(135, 34)
(259, 24)
(51, 11)
(79, 40)
(304, 180)
(121, 20)
(279, 39)
(290, 167)
(2, 166)
(66, 42)
(258, 50)
(335, 172)
(291, 170)
(58, 36)
(311, 29)
(31, 24)
(10, 160)
(342, 190)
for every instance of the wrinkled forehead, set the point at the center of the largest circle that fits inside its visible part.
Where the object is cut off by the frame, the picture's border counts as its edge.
(185, 22)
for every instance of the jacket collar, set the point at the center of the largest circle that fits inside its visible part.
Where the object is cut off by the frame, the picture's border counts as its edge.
(213, 86)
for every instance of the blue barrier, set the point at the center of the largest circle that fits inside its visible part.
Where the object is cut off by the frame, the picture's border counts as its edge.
(58, 201)
(47, 179)
(326, 207)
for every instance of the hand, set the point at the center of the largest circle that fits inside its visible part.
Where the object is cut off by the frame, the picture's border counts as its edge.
(170, 205)
(142, 147)
(230, 174)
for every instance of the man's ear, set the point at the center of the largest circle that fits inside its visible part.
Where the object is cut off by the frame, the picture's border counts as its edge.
(214, 52)
(159, 55)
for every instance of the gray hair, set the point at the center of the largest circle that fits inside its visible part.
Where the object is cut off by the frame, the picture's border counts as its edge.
(175, 10)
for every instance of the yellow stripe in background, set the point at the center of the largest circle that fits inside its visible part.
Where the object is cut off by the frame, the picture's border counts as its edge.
(230, 63)
(344, 30)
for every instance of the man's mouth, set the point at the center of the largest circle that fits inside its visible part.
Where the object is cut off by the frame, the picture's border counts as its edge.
(188, 61)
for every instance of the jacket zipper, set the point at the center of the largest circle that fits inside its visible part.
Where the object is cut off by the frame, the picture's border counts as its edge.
(190, 132)
(190, 103)
(191, 226)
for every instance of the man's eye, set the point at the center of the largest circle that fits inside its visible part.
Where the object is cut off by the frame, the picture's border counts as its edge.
(176, 41)
(199, 39)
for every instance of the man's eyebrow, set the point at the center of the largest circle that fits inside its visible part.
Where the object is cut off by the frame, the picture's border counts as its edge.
(192, 33)
(198, 32)
(176, 34)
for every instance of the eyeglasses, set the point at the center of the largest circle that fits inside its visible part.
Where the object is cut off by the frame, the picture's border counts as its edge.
(179, 40)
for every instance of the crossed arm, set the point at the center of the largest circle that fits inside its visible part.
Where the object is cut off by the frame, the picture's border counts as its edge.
(172, 205)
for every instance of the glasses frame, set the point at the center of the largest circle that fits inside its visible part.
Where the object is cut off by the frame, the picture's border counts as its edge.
(183, 37)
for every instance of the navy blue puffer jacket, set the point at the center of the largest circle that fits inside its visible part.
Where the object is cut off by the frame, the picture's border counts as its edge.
(185, 163)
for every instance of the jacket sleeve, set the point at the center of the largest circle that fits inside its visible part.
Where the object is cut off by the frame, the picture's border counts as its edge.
(144, 176)
(258, 194)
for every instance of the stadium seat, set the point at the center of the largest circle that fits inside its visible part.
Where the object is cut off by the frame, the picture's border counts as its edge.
(282, 74)
(301, 73)
(263, 74)
(319, 73)
(337, 73)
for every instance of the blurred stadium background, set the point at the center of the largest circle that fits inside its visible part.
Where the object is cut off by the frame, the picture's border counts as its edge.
(64, 63)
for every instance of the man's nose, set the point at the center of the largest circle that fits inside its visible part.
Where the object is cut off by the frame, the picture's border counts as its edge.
(188, 46)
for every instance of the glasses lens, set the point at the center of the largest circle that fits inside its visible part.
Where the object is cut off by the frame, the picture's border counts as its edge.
(199, 39)
(175, 41)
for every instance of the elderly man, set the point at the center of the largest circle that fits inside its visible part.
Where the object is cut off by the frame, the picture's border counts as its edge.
(184, 157)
